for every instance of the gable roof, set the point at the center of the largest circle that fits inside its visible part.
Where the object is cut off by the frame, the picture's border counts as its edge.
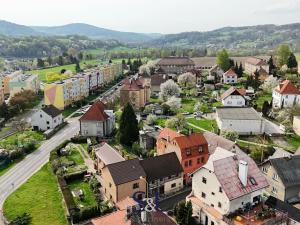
(288, 169)
(230, 72)
(172, 60)
(215, 141)
(126, 171)
(193, 140)
(168, 133)
(51, 110)
(158, 79)
(133, 84)
(256, 61)
(238, 113)
(225, 167)
(161, 166)
(233, 91)
(96, 112)
(287, 87)
(107, 154)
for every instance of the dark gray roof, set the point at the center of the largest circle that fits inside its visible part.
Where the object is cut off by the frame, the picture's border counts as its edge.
(173, 60)
(288, 169)
(51, 110)
(281, 206)
(161, 166)
(238, 113)
(126, 171)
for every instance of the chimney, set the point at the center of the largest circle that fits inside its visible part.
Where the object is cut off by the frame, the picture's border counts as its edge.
(243, 172)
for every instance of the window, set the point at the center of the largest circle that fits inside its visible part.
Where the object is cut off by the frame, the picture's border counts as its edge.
(203, 195)
(204, 180)
(98, 124)
(109, 184)
(265, 169)
(212, 205)
(212, 223)
(188, 152)
(274, 190)
(54, 121)
(202, 159)
(213, 193)
(186, 164)
(252, 181)
(275, 176)
(41, 116)
(200, 149)
(173, 185)
(219, 205)
(135, 185)
(220, 189)
(190, 162)
(198, 161)
(48, 122)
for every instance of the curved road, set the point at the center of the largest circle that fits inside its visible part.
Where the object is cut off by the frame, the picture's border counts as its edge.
(22, 171)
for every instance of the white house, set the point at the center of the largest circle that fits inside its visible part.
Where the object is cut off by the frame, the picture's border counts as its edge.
(97, 121)
(243, 120)
(47, 118)
(234, 97)
(286, 95)
(227, 182)
(230, 77)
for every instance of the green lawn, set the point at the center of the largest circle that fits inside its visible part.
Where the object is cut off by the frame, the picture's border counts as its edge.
(161, 122)
(188, 104)
(298, 56)
(76, 156)
(261, 99)
(89, 197)
(40, 197)
(210, 125)
(294, 141)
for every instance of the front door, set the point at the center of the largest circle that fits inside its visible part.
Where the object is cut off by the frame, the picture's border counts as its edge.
(161, 190)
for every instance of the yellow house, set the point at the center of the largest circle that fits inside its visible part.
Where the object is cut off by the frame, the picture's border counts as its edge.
(54, 95)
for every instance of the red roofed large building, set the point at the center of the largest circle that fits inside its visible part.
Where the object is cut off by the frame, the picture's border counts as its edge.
(191, 150)
(97, 121)
(286, 95)
(229, 181)
(254, 63)
(230, 77)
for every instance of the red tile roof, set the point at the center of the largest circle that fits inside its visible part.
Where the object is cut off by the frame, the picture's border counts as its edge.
(167, 132)
(286, 87)
(133, 84)
(95, 112)
(230, 72)
(193, 140)
(256, 61)
(233, 91)
(118, 217)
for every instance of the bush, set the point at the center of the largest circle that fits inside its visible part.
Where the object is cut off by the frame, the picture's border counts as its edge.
(75, 176)
(86, 213)
(79, 140)
(21, 220)
(68, 197)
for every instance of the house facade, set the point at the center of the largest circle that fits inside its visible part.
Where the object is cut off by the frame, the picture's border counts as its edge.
(253, 64)
(2, 98)
(156, 81)
(230, 77)
(234, 97)
(296, 125)
(46, 118)
(97, 121)
(286, 95)
(175, 65)
(6, 78)
(24, 82)
(191, 150)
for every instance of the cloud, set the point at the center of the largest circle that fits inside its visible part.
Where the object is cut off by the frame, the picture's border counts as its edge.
(282, 7)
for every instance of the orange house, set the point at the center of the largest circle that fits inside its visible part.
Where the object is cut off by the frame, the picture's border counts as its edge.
(191, 150)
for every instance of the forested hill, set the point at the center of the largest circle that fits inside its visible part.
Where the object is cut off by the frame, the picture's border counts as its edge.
(261, 37)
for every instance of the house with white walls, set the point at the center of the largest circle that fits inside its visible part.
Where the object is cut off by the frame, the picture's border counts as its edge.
(230, 77)
(234, 97)
(229, 181)
(286, 95)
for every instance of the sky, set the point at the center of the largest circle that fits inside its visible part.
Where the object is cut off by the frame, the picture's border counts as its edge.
(151, 16)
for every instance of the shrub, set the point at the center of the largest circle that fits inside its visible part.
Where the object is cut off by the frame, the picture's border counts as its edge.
(79, 140)
(24, 219)
(75, 176)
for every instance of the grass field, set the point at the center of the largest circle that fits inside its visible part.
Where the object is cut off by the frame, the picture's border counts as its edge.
(40, 197)
(205, 124)
(298, 56)
(294, 141)
(261, 99)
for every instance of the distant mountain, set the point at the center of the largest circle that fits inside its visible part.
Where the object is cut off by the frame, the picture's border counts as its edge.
(249, 37)
(15, 30)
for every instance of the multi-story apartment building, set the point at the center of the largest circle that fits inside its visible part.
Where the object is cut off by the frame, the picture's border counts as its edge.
(6, 77)
(110, 72)
(22, 82)
(286, 95)
(253, 64)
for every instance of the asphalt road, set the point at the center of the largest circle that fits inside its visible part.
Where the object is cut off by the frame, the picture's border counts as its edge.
(169, 203)
(20, 173)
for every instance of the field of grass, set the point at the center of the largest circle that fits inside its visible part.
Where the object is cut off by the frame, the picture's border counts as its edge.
(294, 141)
(298, 56)
(161, 122)
(89, 197)
(261, 99)
(40, 197)
(210, 125)
(188, 104)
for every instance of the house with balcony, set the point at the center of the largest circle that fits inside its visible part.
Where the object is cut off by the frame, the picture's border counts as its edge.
(286, 95)
(191, 150)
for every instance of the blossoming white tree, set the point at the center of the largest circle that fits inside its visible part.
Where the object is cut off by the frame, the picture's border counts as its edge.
(168, 89)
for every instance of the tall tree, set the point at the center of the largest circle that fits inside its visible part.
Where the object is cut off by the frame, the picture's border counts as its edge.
(272, 66)
(283, 53)
(60, 60)
(240, 70)
(292, 61)
(40, 63)
(223, 60)
(77, 67)
(4, 113)
(128, 130)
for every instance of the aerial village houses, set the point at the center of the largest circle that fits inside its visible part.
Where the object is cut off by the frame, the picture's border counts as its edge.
(191, 150)
(254, 64)
(230, 77)
(234, 97)
(175, 65)
(97, 121)
(286, 95)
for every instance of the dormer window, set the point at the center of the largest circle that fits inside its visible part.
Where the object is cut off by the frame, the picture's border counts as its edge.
(200, 149)
(188, 152)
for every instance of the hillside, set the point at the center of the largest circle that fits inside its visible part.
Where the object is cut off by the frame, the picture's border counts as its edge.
(261, 37)
(15, 30)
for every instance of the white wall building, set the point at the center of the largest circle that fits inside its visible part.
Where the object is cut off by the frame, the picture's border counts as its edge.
(286, 95)
(234, 97)
(243, 120)
(253, 64)
(230, 77)
(48, 117)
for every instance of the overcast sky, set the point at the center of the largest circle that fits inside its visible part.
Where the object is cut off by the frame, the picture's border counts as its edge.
(151, 16)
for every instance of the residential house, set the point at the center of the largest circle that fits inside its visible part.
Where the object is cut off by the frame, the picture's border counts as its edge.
(156, 81)
(262, 74)
(135, 91)
(253, 64)
(229, 181)
(147, 137)
(105, 155)
(191, 150)
(286, 95)
(175, 65)
(123, 179)
(97, 121)
(283, 175)
(216, 72)
(22, 82)
(234, 97)
(296, 125)
(243, 120)
(46, 118)
(164, 174)
(230, 77)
